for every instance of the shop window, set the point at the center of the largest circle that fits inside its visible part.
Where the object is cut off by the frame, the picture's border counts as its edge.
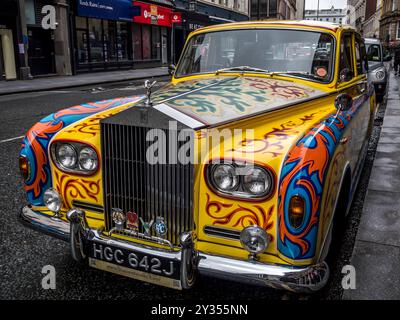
(110, 41)
(122, 40)
(155, 43)
(81, 22)
(263, 8)
(95, 40)
(137, 42)
(83, 56)
(146, 39)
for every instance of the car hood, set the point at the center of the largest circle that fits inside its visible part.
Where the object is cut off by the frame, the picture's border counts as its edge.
(372, 65)
(224, 99)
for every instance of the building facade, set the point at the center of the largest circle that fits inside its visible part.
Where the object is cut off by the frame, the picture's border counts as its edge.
(389, 30)
(355, 15)
(9, 39)
(97, 35)
(371, 22)
(333, 15)
(200, 13)
(272, 9)
(300, 9)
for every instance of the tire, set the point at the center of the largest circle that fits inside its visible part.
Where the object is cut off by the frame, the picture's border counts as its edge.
(336, 229)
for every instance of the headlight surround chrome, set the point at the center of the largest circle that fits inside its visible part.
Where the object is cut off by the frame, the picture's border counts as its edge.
(251, 181)
(74, 157)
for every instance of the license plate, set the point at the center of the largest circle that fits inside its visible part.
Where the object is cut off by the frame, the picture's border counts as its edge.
(136, 265)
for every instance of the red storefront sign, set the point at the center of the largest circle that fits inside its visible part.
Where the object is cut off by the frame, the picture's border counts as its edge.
(153, 14)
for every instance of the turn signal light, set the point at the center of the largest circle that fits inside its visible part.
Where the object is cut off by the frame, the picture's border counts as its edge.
(24, 167)
(296, 211)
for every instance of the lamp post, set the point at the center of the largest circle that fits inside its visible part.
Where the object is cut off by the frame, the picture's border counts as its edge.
(317, 10)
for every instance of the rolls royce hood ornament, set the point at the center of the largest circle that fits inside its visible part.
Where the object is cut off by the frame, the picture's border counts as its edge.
(148, 86)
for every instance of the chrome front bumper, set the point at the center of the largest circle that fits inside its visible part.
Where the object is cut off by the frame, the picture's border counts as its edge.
(299, 279)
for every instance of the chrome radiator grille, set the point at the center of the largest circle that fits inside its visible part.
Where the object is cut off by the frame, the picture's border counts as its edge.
(132, 184)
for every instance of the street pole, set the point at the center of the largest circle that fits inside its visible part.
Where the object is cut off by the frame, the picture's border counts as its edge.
(317, 10)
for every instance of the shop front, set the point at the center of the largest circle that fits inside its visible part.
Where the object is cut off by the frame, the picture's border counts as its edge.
(8, 45)
(121, 34)
(152, 31)
(103, 30)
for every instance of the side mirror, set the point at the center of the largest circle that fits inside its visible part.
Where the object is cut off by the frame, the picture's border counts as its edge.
(387, 58)
(171, 69)
(343, 102)
(345, 75)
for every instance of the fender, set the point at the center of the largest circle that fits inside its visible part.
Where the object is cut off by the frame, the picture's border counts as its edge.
(304, 172)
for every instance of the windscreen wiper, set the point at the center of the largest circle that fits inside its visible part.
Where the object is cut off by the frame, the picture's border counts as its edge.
(241, 69)
(293, 73)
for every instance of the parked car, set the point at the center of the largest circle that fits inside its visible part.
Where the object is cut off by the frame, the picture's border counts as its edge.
(261, 206)
(377, 71)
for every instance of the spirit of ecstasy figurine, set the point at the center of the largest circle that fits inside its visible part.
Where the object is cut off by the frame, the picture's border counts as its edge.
(148, 86)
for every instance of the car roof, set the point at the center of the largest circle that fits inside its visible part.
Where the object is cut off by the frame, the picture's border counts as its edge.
(287, 23)
(372, 40)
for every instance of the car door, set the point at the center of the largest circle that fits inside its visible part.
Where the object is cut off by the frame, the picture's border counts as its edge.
(353, 81)
(364, 90)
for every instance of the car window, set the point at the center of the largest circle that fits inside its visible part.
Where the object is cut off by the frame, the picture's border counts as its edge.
(374, 52)
(346, 57)
(298, 53)
(361, 56)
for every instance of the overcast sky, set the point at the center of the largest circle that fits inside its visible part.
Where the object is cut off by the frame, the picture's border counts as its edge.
(326, 4)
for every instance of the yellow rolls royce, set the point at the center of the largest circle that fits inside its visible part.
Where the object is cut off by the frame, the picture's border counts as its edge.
(242, 167)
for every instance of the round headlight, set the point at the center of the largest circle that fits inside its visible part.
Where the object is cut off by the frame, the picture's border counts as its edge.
(254, 239)
(66, 156)
(88, 159)
(380, 75)
(52, 200)
(257, 181)
(224, 177)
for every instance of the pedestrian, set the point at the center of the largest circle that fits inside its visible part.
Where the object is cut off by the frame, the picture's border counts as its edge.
(397, 60)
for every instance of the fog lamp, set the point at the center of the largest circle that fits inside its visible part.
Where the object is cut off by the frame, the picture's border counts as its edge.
(52, 200)
(254, 239)
(119, 218)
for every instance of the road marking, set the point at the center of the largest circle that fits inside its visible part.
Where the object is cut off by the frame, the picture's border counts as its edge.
(11, 139)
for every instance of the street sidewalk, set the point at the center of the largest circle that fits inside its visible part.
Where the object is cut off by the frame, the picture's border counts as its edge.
(376, 255)
(60, 82)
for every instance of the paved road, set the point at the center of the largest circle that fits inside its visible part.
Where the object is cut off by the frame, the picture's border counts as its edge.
(25, 252)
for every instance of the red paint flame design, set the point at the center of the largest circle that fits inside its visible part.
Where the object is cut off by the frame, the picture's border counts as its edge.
(77, 188)
(279, 89)
(240, 216)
